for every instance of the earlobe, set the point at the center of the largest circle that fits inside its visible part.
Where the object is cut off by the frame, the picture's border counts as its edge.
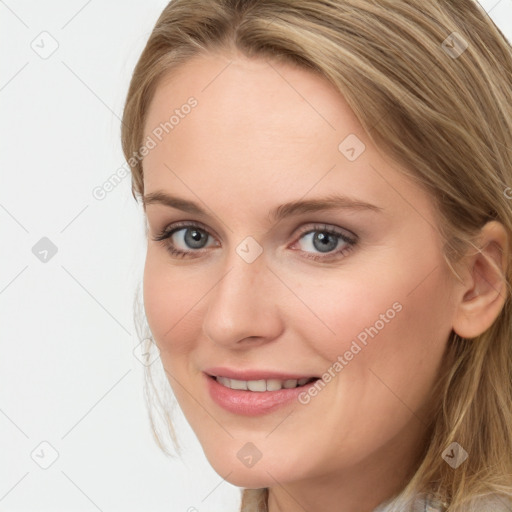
(484, 291)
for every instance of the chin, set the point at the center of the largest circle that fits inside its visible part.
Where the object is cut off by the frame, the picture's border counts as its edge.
(247, 478)
(263, 473)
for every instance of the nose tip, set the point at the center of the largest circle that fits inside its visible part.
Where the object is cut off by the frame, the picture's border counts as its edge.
(243, 303)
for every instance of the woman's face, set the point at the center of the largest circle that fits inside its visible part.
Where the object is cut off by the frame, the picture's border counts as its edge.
(359, 295)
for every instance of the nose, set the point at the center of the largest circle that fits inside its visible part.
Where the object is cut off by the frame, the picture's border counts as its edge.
(245, 304)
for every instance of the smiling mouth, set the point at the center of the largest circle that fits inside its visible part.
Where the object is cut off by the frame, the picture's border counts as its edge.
(262, 385)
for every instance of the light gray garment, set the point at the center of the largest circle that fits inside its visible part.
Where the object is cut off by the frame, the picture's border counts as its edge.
(423, 503)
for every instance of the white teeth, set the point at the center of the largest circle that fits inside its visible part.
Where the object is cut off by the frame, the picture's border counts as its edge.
(261, 385)
(237, 384)
(273, 385)
(224, 381)
(256, 385)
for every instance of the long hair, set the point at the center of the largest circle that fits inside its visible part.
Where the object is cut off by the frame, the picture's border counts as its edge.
(431, 84)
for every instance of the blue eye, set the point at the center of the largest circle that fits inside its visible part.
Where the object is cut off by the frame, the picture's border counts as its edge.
(322, 238)
(326, 240)
(192, 236)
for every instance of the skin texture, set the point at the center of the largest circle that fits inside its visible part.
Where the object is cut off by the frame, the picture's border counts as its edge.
(263, 134)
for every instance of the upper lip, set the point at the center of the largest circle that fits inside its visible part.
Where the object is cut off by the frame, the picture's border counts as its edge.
(253, 374)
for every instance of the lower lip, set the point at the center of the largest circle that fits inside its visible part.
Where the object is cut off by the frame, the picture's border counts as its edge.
(252, 403)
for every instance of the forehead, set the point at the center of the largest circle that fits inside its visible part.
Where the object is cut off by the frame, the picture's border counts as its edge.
(252, 102)
(263, 126)
(225, 82)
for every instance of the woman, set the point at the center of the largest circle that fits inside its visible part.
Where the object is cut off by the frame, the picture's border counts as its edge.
(328, 272)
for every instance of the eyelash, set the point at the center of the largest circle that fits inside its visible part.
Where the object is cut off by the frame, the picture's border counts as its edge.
(165, 235)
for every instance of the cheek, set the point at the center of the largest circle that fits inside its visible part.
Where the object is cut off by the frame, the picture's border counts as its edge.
(397, 318)
(390, 333)
(382, 361)
(158, 298)
(176, 298)
(169, 298)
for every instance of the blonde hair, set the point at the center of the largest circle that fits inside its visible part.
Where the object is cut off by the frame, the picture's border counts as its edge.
(446, 116)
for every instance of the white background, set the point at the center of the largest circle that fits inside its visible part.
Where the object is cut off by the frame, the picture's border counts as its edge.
(68, 375)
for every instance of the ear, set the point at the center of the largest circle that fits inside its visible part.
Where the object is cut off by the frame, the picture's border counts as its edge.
(480, 298)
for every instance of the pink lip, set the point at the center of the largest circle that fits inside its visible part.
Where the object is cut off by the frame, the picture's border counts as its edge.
(219, 371)
(251, 403)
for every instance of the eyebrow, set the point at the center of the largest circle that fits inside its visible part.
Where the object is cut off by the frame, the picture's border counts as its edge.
(330, 202)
